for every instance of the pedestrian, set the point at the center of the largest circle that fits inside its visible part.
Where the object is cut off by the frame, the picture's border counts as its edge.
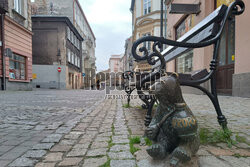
(98, 84)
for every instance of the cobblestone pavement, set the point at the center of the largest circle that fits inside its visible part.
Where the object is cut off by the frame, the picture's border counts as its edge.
(81, 128)
(237, 111)
(32, 122)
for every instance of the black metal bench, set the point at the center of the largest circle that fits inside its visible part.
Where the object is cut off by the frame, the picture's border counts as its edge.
(207, 32)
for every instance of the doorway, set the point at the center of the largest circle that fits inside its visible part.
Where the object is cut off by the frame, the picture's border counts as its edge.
(225, 71)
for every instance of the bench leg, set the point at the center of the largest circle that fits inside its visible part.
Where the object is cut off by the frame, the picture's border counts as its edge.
(128, 100)
(214, 99)
(221, 118)
(128, 90)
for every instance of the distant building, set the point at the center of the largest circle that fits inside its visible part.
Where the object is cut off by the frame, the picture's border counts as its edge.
(145, 22)
(128, 62)
(56, 43)
(116, 67)
(16, 45)
(72, 9)
(114, 63)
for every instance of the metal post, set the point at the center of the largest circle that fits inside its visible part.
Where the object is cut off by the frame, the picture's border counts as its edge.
(59, 80)
(161, 30)
(2, 53)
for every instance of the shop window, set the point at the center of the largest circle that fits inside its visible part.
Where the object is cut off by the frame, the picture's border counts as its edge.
(146, 6)
(17, 68)
(184, 63)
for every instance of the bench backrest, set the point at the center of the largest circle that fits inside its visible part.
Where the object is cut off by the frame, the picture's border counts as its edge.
(206, 29)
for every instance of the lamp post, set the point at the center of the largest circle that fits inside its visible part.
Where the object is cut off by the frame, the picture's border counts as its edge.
(161, 29)
(59, 63)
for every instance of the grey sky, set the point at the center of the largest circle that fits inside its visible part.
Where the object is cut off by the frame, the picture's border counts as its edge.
(110, 21)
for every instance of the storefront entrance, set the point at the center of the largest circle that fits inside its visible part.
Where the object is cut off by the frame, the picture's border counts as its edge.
(226, 59)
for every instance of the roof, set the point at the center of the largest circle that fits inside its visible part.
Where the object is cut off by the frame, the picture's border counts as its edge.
(132, 5)
(53, 18)
(115, 56)
(85, 19)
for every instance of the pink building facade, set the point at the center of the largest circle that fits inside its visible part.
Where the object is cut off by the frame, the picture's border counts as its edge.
(233, 74)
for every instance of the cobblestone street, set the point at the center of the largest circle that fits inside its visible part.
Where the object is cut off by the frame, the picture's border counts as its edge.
(81, 128)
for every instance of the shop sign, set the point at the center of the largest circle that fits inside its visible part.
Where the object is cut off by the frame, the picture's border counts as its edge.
(34, 76)
(225, 2)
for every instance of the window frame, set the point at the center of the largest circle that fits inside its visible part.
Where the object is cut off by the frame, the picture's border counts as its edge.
(183, 22)
(18, 6)
(146, 6)
(69, 56)
(20, 69)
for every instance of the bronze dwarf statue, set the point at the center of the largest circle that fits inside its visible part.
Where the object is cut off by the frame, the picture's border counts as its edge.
(173, 129)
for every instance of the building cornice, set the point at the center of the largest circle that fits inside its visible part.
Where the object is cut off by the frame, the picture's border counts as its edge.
(44, 18)
(149, 14)
(18, 25)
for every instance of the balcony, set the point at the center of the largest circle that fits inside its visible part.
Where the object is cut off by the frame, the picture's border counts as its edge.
(3, 6)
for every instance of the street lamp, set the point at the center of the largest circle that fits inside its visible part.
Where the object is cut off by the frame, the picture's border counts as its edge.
(59, 63)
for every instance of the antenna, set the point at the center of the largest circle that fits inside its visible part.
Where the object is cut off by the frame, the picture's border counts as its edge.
(51, 8)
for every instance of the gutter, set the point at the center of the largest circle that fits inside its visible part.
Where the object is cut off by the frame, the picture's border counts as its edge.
(3, 83)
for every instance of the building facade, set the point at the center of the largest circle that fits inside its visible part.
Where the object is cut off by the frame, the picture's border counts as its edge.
(145, 22)
(16, 45)
(56, 45)
(116, 65)
(233, 73)
(72, 9)
(128, 58)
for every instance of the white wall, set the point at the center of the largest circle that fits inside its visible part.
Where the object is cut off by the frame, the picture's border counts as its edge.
(48, 76)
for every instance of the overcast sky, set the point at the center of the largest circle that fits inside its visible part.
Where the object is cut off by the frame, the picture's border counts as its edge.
(111, 23)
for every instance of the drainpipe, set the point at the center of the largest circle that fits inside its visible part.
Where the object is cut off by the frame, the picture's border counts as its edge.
(3, 84)
(161, 30)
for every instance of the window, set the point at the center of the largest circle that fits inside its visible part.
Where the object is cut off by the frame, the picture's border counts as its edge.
(75, 60)
(68, 55)
(17, 67)
(77, 43)
(71, 36)
(79, 62)
(184, 63)
(146, 6)
(74, 39)
(186, 25)
(68, 33)
(18, 6)
(227, 44)
(147, 44)
(72, 58)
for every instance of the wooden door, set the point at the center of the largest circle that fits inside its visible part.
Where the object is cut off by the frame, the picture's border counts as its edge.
(224, 75)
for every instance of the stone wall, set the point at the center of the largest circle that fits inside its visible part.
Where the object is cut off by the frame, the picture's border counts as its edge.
(241, 85)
